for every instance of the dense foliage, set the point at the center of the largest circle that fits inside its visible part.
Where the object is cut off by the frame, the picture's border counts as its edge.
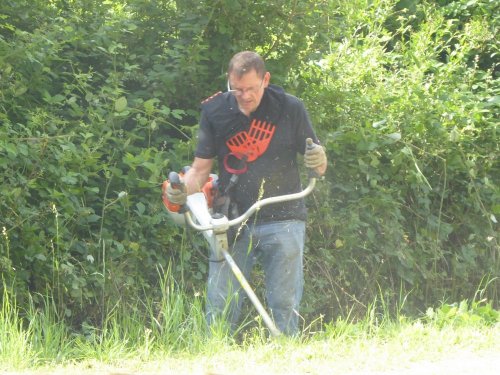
(99, 100)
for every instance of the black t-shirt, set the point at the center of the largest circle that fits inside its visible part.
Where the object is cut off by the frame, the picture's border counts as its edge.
(275, 172)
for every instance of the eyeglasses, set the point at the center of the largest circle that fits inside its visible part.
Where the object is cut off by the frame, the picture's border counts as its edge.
(240, 92)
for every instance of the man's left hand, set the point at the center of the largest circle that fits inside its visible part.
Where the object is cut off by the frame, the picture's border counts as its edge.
(314, 156)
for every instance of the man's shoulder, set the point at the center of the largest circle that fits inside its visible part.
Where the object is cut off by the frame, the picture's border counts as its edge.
(284, 96)
(215, 103)
(211, 98)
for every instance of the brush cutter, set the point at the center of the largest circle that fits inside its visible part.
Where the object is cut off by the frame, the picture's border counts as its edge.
(214, 227)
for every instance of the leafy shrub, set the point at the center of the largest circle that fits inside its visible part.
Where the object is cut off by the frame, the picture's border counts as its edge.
(463, 313)
(98, 102)
(409, 123)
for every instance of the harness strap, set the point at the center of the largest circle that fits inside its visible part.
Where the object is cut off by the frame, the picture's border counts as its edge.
(242, 165)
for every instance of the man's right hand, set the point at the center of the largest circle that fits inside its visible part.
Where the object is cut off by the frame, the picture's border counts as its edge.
(176, 194)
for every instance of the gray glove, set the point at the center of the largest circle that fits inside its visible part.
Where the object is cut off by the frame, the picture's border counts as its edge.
(177, 195)
(314, 156)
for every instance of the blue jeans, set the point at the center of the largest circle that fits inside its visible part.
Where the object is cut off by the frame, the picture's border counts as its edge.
(279, 246)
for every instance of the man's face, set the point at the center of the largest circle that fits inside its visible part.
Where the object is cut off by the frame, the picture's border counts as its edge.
(248, 90)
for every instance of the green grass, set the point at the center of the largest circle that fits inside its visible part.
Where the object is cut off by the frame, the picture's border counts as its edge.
(169, 337)
(15, 347)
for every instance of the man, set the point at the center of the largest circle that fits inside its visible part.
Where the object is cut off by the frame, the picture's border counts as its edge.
(255, 132)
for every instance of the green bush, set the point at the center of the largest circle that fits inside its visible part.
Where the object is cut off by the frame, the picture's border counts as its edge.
(409, 121)
(98, 101)
(83, 151)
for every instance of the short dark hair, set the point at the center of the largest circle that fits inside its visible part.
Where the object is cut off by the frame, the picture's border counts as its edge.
(244, 62)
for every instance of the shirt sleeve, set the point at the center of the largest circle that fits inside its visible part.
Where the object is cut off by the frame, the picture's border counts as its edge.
(304, 128)
(205, 148)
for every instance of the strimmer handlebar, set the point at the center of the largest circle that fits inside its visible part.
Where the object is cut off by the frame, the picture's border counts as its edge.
(254, 208)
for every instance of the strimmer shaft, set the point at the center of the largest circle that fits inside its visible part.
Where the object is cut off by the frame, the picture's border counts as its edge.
(215, 231)
(253, 297)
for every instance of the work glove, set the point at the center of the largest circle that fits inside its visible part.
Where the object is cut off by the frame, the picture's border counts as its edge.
(177, 195)
(314, 156)
(175, 211)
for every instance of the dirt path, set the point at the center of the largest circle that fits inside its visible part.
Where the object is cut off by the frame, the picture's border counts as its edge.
(464, 363)
(457, 363)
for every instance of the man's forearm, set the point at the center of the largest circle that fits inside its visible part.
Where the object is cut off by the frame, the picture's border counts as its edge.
(197, 175)
(194, 181)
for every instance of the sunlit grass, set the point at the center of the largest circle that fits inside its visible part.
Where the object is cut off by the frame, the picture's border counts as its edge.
(15, 338)
(170, 336)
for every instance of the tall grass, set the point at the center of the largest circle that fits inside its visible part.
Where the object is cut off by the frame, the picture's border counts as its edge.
(149, 329)
(31, 337)
(49, 336)
(175, 326)
(15, 338)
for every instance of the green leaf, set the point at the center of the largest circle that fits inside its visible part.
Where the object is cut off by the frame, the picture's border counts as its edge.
(149, 105)
(121, 104)
(141, 208)
(69, 179)
(92, 218)
(11, 149)
(20, 90)
(493, 101)
(178, 113)
(396, 136)
(377, 124)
